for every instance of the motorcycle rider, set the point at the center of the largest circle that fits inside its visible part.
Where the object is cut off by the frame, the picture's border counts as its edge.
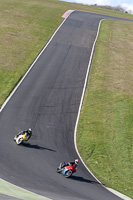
(27, 134)
(62, 165)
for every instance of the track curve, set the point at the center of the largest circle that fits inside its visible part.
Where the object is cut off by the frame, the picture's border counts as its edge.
(47, 101)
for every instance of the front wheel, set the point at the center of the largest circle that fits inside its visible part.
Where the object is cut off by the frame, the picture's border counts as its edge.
(68, 173)
(19, 140)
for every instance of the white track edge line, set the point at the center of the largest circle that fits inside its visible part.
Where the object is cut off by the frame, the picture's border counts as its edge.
(31, 66)
(81, 101)
(14, 90)
(76, 125)
(85, 84)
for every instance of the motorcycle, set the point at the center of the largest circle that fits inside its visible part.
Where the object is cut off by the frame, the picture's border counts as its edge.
(67, 171)
(20, 137)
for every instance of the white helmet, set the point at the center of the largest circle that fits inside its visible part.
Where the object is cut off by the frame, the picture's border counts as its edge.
(76, 161)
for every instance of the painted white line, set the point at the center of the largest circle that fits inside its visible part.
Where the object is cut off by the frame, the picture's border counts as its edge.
(80, 106)
(81, 101)
(124, 197)
(9, 97)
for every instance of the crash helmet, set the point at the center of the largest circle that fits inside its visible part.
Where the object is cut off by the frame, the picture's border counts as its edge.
(76, 161)
(29, 130)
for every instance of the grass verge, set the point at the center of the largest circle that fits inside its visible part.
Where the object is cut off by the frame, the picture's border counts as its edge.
(105, 130)
(8, 190)
(25, 28)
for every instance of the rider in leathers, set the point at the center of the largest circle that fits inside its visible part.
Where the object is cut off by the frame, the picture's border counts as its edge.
(69, 163)
(27, 133)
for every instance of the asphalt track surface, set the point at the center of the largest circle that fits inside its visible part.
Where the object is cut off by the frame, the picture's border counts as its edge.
(47, 101)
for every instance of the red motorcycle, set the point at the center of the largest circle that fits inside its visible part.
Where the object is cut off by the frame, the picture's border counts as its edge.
(68, 170)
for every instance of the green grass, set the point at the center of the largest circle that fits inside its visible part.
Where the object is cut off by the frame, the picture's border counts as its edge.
(18, 193)
(25, 27)
(105, 128)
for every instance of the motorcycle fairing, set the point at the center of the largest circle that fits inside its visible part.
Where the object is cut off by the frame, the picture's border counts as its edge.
(67, 168)
(64, 170)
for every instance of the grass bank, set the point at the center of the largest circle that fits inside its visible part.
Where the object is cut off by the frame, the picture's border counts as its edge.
(26, 26)
(105, 130)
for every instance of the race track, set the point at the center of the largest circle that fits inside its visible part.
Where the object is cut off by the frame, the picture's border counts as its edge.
(47, 101)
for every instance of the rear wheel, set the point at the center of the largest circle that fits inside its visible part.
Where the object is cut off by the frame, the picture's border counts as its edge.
(58, 170)
(68, 173)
